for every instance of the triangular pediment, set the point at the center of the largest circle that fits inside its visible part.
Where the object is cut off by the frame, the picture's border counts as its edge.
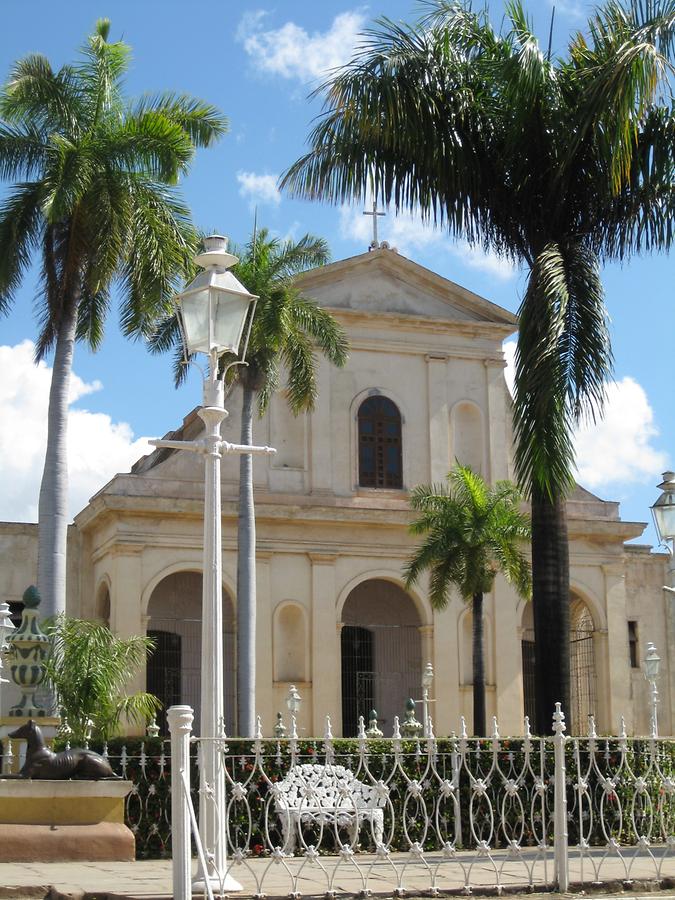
(384, 282)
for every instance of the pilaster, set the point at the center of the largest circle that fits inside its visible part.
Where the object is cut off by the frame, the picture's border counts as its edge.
(264, 694)
(326, 658)
(614, 695)
(320, 433)
(439, 423)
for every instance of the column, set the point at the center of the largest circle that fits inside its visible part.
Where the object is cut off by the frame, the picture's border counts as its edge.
(439, 423)
(326, 662)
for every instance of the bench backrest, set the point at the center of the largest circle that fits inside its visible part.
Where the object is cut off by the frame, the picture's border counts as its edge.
(330, 787)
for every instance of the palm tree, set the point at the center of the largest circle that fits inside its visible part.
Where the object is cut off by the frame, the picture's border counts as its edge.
(471, 532)
(88, 668)
(93, 192)
(286, 332)
(560, 164)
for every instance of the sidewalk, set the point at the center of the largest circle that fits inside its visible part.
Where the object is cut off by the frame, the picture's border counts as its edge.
(147, 879)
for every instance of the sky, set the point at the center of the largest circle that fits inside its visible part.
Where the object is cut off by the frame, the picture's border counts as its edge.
(258, 63)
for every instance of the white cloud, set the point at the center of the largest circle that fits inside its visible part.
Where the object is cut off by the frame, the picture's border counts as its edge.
(292, 52)
(618, 449)
(408, 233)
(572, 9)
(259, 188)
(97, 446)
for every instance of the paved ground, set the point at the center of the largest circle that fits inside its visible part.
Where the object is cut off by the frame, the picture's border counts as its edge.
(152, 878)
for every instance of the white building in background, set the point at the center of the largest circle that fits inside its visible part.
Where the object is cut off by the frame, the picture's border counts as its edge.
(424, 386)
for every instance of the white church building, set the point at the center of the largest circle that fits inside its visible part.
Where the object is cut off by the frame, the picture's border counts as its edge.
(424, 385)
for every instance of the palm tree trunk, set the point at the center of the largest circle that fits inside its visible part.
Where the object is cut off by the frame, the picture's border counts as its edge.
(246, 585)
(53, 502)
(551, 607)
(478, 662)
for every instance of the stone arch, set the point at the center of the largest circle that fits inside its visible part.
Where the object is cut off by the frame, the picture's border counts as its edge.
(174, 612)
(290, 651)
(180, 566)
(467, 436)
(394, 576)
(381, 652)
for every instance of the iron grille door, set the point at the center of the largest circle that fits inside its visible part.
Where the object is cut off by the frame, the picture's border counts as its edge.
(163, 677)
(357, 676)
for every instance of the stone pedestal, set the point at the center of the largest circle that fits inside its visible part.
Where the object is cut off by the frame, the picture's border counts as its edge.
(52, 821)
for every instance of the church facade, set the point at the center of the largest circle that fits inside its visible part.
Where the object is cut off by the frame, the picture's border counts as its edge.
(424, 386)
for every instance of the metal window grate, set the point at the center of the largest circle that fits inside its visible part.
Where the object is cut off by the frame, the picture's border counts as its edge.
(380, 459)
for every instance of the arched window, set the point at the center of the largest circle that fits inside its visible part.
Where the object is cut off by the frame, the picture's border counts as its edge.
(380, 464)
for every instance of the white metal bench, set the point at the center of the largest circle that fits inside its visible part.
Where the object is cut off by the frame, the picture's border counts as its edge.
(327, 795)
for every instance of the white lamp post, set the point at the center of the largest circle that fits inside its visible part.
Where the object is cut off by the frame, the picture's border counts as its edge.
(663, 512)
(652, 662)
(212, 312)
(427, 681)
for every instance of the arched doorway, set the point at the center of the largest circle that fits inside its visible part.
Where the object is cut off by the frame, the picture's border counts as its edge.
(582, 666)
(381, 654)
(174, 669)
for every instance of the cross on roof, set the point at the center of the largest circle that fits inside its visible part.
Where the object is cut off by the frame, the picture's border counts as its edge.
(375, 213)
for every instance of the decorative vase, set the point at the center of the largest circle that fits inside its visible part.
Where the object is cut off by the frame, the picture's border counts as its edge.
(28, 649)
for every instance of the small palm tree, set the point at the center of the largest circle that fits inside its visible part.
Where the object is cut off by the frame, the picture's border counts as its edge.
(471, 532)
(88, 668)
(93, 192)
(286, 333)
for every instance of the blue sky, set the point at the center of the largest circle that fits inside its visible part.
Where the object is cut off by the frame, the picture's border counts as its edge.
(257, 63)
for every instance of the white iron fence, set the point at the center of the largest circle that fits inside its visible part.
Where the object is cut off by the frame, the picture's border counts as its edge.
(392, 815)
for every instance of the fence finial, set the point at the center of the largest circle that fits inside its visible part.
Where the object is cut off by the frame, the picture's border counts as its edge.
(258, 729)
(559, 726)
(328, 734)
(397, 731)
(592, 734)
(495, 729)
(528, 730)
(462, 731)
(361, 733)
(622, 730)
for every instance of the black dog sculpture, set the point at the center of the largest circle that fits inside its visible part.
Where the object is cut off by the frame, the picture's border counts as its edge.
(41, 762)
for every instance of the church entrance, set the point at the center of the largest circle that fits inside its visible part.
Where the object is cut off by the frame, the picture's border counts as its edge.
(381, 654)
(174, 669)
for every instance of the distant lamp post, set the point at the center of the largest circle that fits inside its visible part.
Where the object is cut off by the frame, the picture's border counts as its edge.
(652, 663)
(664, 508)
(663, 512)
(213, 311)
(427, 681)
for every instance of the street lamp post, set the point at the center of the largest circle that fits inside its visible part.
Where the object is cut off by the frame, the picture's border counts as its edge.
(663, 512)
(212, 312)
(652, 662)
(427, 681)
